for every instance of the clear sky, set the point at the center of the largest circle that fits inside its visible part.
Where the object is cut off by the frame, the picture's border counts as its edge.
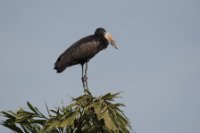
(157, 65)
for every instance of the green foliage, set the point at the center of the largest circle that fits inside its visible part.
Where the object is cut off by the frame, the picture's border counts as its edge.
(86, 114)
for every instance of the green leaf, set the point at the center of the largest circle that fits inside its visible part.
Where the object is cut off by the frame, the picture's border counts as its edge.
(12, 127)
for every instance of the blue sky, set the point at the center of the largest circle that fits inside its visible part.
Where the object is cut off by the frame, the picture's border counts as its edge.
(157, 65)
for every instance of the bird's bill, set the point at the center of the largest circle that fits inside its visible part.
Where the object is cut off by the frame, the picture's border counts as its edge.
(110, 39)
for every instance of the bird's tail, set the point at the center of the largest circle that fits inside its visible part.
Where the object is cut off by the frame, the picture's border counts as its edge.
(58, 67)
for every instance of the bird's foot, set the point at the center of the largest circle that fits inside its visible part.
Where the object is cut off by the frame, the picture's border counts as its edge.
(87, 92)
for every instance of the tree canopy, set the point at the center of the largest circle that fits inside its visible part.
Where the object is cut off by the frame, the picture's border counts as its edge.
(85, 114)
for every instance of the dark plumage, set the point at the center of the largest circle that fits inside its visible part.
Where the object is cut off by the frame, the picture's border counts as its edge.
(83, 50)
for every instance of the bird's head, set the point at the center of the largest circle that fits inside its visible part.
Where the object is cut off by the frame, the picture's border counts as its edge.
(108, 36)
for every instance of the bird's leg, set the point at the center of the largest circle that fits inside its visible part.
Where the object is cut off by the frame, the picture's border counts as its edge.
(85, 77)
(82, 78)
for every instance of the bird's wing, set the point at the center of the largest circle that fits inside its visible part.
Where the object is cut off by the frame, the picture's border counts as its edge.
(84, 49)
(79, 52)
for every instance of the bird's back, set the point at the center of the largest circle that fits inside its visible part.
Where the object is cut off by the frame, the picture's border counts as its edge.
(80, 52)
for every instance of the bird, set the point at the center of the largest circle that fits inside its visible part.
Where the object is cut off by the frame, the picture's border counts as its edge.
(83, 50)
